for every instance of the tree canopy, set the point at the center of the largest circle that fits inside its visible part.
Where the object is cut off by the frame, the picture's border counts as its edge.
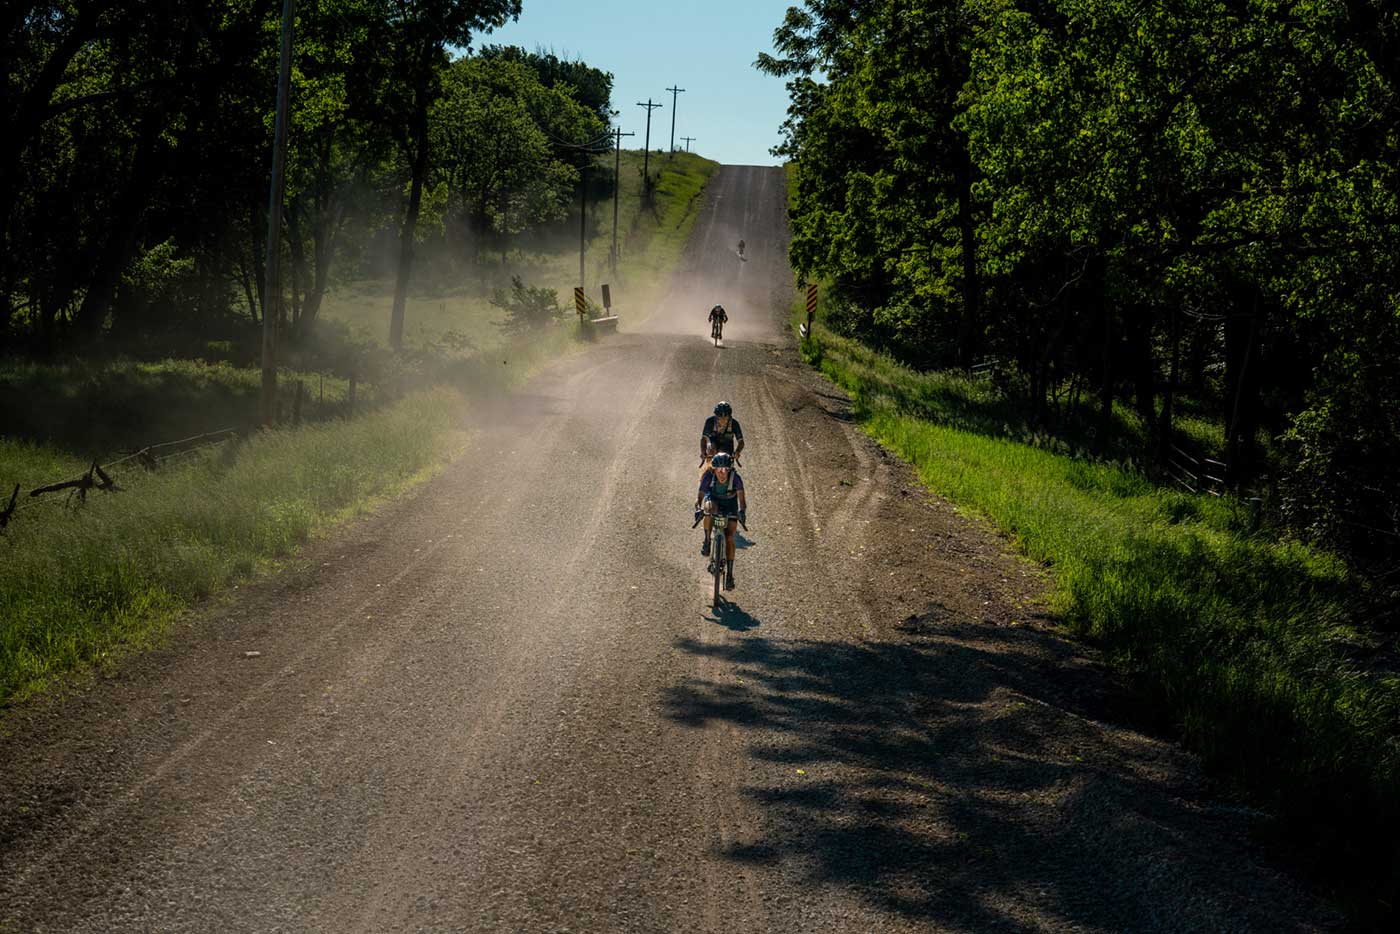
(1152, 202)
(134, 178)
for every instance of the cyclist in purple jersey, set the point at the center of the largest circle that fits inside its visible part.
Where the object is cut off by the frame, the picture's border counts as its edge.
(722, 494)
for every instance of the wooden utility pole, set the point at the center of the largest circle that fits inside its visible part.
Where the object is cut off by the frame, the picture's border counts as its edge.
(272, 275)
(688, 141)
(582, 220)
(617, 187)
(646, 147)
(674, 91)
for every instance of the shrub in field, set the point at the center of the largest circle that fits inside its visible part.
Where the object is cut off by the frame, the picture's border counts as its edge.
(527, 307)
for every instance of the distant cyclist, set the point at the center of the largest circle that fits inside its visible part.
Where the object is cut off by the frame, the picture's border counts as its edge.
(722, 433)
(718, 317)
(741, 248)
(722, 494)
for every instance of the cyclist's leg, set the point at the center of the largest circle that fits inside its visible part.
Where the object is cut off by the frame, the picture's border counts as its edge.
(709, 507)
(729, 529)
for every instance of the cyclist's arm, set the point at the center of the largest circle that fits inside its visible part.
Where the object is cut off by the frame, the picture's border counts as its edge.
(738, 440)
(706, 479)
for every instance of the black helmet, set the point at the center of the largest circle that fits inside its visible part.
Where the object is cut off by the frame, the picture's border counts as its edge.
(724, 408)
(721, 460)
(717, 308)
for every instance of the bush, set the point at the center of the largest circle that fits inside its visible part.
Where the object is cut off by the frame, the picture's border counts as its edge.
(1341, 487)
(527, 307)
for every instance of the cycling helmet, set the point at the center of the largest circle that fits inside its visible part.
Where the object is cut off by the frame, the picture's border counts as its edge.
(724, 408)
(721, 460)
(717, 308)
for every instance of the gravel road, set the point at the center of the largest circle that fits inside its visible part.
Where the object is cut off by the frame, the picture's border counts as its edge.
(503, 704)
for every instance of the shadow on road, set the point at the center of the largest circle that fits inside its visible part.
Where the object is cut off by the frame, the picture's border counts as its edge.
(970, 775)
(732, 616)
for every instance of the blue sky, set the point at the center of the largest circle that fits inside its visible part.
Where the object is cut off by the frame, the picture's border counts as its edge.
(707, 47)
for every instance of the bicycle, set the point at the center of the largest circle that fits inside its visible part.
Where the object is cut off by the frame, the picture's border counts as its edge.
(718, 554)
(717, 331)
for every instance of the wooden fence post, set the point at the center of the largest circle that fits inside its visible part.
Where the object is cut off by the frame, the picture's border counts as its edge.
(10, 509)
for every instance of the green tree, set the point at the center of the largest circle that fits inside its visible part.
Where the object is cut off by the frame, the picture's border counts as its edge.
(500, 163)
(413, 36)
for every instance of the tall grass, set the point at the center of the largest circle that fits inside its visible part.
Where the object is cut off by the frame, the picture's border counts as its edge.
(1244, 643)
(79, 586)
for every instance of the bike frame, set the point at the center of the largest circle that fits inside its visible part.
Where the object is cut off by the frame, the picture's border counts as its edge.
(719, 551)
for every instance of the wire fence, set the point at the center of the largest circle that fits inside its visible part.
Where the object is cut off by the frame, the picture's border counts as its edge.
(99, 477)
(154, 457)
(1195, 474)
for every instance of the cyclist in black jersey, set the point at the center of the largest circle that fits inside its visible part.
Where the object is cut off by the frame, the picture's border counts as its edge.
(722, 432)
(718, 316)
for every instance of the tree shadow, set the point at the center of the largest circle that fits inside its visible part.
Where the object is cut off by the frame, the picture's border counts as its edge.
(975, 776)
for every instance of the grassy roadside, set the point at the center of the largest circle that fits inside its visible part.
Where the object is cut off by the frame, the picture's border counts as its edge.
(1243, 643)
(81, 586)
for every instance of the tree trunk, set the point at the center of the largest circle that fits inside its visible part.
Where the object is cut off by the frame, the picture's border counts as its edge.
(245, 280)
(1164, 424)
(971, 286)
(323, 242)
(256, 224)
(1242, 385)
(298, 264)
(122, 234)
(28, 117)
(1144, 367)
(410, 223)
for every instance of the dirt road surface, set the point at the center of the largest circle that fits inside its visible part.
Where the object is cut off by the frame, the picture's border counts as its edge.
(503, 703)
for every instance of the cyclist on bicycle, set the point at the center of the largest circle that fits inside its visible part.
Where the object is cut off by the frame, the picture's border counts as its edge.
(722, 432)
(741, 248)
(722, 494)
(718, 317)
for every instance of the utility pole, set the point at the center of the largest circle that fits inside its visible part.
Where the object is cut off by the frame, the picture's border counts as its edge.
(688, 141)
(646, 147)
(582, 220)
(272, 275)
(674, 92)
(617, 187)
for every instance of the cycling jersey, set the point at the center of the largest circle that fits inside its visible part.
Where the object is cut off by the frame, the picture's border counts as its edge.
(725, 440)
(726, 492)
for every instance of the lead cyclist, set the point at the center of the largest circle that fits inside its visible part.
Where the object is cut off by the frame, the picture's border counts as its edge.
(722, 494)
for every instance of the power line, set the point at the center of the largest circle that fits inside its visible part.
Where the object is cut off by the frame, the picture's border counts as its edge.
(688, 141)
